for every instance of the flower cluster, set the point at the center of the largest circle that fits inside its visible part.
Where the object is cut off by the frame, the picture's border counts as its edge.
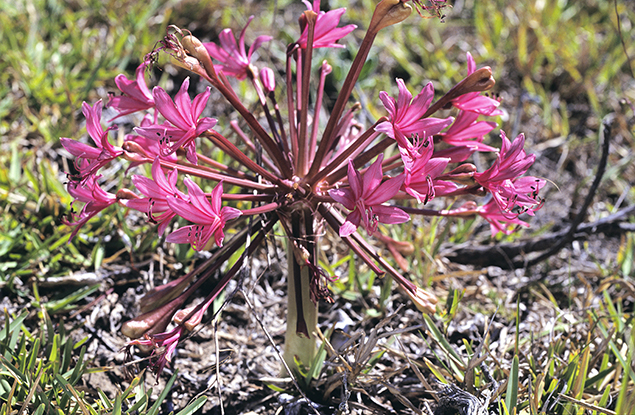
(291, 165)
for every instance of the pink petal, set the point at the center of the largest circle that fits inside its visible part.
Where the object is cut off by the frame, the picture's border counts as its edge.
(390, 214)
(386, 127)
(198, 105)
(185, 210)
(168, 109)
(354, 181)
(200, 201)
(351, 224)
(343, 196)
(420, 104)
(372, 177)
(93, 121)
(217, 193)
(403, 100)
(183, 102)
(147, 187)
(389, 103)
(80, 150)
(471, 65)
(386, 191)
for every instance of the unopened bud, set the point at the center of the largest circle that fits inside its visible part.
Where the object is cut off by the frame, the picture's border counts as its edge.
(132, 147)
(197, 50)
(479, 81)
(154, 321)
(190, 63)
(462, 174)
(268, 79)
(326, 68)
(193, 46)
(388, 13)
(126, 194)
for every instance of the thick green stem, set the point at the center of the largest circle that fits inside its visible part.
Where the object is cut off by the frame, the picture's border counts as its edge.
(300, 339)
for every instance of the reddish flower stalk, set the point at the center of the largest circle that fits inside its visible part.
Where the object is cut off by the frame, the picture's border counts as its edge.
(282, 168)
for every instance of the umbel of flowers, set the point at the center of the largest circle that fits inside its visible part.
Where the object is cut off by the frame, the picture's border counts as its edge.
(294, 166)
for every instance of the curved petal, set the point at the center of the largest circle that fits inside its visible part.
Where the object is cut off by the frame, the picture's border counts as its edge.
(403, 100)
(147, 187)
(198, 105)
(386, 191)
(386, 127)
(354, 180)
(343, 196)
(183, 102)
(217, 194)
(351, 224)
(372, 178)
(390, 214)
(93, 121)
(168, 109)
(389, 103)
(199, 200)
(256, 45)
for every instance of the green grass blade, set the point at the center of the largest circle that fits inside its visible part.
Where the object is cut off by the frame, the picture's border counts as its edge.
(154, 410)
(511, 397)
(194, 406)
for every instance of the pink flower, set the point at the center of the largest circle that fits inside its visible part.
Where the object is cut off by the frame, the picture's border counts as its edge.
(474, 101)
(421, 172)
(503, 178)
(235, 59)
(136, 95)
(151, 139)
(209, 217)
(499, 221)
(183, 114)
(95, 198)
(365, 196)
(466, 131)
(405, 116)
(154, 204)
(90, 159)
(326, 32)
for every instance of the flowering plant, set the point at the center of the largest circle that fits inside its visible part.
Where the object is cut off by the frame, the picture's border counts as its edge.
(296, 166)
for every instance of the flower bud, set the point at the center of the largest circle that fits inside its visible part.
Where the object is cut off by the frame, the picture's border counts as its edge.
(126, 194)
(193, 46)
(268, 79)
(388, 13)
(462, 174)
(135, 148)
(154, 321)
(198, 51)
(479, 81)
(326, 68)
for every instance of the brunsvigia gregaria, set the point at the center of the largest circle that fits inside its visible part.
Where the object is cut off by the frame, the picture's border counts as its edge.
(295, 165)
